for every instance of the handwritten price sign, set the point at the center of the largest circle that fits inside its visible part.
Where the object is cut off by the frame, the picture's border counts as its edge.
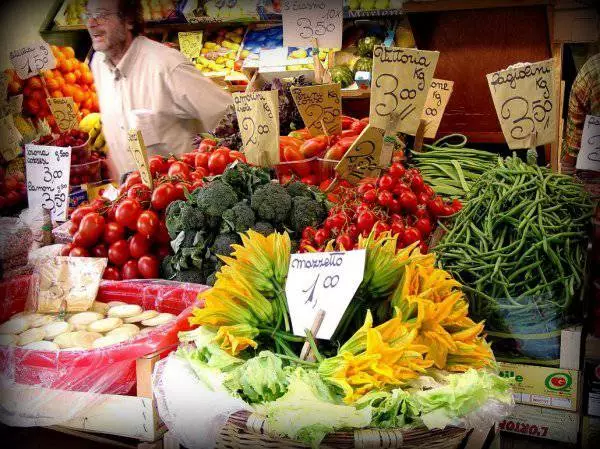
(435, 105)
(190, 43)
(363, 158)
(524, 101)
(304, 21)
(322, 281)
(589, 154)
(47, 171)
(258, 117)
(401, 80)
(63, 110)
(29, 61)
(139, 153)
(320, 107)
(10, 138)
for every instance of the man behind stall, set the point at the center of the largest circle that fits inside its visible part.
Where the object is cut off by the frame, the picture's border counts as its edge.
(142, 83)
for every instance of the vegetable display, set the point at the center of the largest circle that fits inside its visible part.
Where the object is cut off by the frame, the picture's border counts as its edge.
(519, 248)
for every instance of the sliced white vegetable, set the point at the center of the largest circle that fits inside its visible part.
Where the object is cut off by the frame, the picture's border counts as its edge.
(56, 328)
(38, 320)
(109, 340)
(42, 345)
(145, 315)
(105, 325)
(100, 307)
(31, 335)
(159, 320)
(125, 311)
(15, 325)
(115, 303)
(85, 339)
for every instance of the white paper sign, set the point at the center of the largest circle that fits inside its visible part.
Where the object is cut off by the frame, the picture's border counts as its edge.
(275, 57)
(322, 281)
(304, 21)
(29, 61)
(47, 170)
(589, 154)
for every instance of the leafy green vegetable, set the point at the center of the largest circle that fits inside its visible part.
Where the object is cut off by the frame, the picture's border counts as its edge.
(239, 218)
(245, 178)
(271, 203)
(306, 212)
(390, 409)
(216, 197)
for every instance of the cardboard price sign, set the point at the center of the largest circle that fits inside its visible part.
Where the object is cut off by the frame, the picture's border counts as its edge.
(138, 151)
(322, 281)
(29, 61)
(435, 105)
(305, 21)
(10, 138)
(63, 110)
(320, 107)
(524, 101)
(363, 158)
(48, 170)
(401, 80)
(258, 118)
(589, 154)
(190, 43)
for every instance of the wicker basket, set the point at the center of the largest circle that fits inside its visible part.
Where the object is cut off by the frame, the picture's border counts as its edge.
(245, 430)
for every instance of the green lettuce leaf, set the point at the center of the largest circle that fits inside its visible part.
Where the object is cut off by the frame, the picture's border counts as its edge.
(390, 409)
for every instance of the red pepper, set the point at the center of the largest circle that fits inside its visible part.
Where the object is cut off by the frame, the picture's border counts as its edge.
(349, 133)
(314, 147)
(287, 141)
(302, 134)
(358, 126)
(347, 121)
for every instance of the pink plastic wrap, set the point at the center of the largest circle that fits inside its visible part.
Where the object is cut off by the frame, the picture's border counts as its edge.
(109, 370)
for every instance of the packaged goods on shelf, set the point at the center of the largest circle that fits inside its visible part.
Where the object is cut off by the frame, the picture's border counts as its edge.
(540, 422)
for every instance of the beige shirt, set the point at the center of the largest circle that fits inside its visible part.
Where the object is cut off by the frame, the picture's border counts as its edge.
(156, 89)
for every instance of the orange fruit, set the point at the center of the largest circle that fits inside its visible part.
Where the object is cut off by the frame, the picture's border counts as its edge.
(88, 78)
(84, 112)
(76, 107)
(88, 104)
(15, 87)
(47, 74)
(35, 82)
(66, 66)
(70, 78)
(78, 95)
(67, 90)
(68, 52)
(77, 74)
(52, 84)
(56, 94)
(54, 49)
(60, 80)
(38, 95)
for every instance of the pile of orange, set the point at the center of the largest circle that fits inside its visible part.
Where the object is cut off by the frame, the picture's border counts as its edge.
(70, 78)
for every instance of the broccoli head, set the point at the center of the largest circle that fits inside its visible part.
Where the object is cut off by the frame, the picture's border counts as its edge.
(215, 198)
(245, 178)
(239, 218)
(211, 279)
(271, 203)
(166, 268)
(306, 212)
(192, 218)
(298, 188)
(263, 227)
(223, 242)
(193, 276)
(173, 218)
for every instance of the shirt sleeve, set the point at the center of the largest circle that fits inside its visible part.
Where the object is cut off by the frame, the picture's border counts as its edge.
(578, 109)
(196, 97)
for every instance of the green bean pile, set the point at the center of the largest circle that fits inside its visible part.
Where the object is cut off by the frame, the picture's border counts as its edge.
(450, 169)
(519, 245)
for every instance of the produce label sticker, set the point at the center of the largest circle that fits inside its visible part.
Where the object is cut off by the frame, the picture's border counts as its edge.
(29, 61)
(258, 118)
(305, 21)
(320, 107)
(63, 110)
(400, 83)
(322, 281)
(363, 158)
(47, 169)
(10, 138)
(138, 151)
(190, 43)
(589, 154)
(524, 100)
(435, 105)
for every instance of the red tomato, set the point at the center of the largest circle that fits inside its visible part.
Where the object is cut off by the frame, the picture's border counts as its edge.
(83, 240)
(436, 206)
(217, 162)
(111, 274)
(132, 179)
(385, 198)
(130, 270)
(397, 170)
(313, 147)
(424, 226)
(66, 249)
(79, 213)
(148, 267)
(345, 242)
(386, 182)
(397, 227)
(157, 165)
(147, 223)
(139, 245)
(182, 189)
(408, 200)
(99, 251)
(358, 126)
(236, 156)
(139, 192)
(78, 251)
(380, 227)
(128, 212)
(162, 235)
(189, 159)
(411, 235)
(163, 195)
(200, 173)
(365, 221)
(118, 252)
(201, 160)
(417, 183)
(113, 232)
(370, 196)
(73, 229)
(180, 169)
(162, 251)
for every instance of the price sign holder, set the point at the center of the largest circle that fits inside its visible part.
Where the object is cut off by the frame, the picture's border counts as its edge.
(319, 288)
(138, 151)
(190, 43)
(306, 352)
(322, 75)
(63, 110)
(589, 154)
(363, 158)
(320, 107)
(524, 99)
(30, 60)
(438, 97)
(321, 19)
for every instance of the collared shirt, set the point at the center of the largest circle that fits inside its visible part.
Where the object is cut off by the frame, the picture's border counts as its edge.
(157, 89)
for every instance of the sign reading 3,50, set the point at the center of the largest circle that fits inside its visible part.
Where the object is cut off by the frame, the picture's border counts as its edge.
(304, 21)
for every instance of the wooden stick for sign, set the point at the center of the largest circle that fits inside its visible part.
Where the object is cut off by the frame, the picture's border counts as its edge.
(44, 86)
(533, 140)
(388, 136)
(306, 353)
(420, 136)
(324, 128)
(251, 87)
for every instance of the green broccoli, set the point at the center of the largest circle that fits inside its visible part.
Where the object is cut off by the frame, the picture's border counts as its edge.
(223, 242)
(192, 218)
(263, 227)
(298, 188)
(271, 202)
(239, 218)
(245, 178)
(215, 198)
(306, 212)
(192, 276)
(166, 268)
(173, 218)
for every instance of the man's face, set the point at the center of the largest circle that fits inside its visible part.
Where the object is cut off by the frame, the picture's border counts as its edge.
(107, 29)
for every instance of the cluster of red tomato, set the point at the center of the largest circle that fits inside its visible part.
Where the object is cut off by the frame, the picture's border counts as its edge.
(13, 191)
(210, 159)
(398, 201)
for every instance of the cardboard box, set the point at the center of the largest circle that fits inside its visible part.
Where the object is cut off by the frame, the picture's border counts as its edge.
(540, 422)
(570, 348)
(542, 386)
(576, 25)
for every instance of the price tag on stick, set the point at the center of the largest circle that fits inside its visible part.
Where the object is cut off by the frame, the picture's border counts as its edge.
(48, 170)
(138, 151)
(305, 21)
(524, 100)
(258, 118)
(435, 105)
(63, 110)
(29, 61)
(363, 158)
(320, 107)
(589, 154)
(190, 43)
(401, 80)
(322, 282)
